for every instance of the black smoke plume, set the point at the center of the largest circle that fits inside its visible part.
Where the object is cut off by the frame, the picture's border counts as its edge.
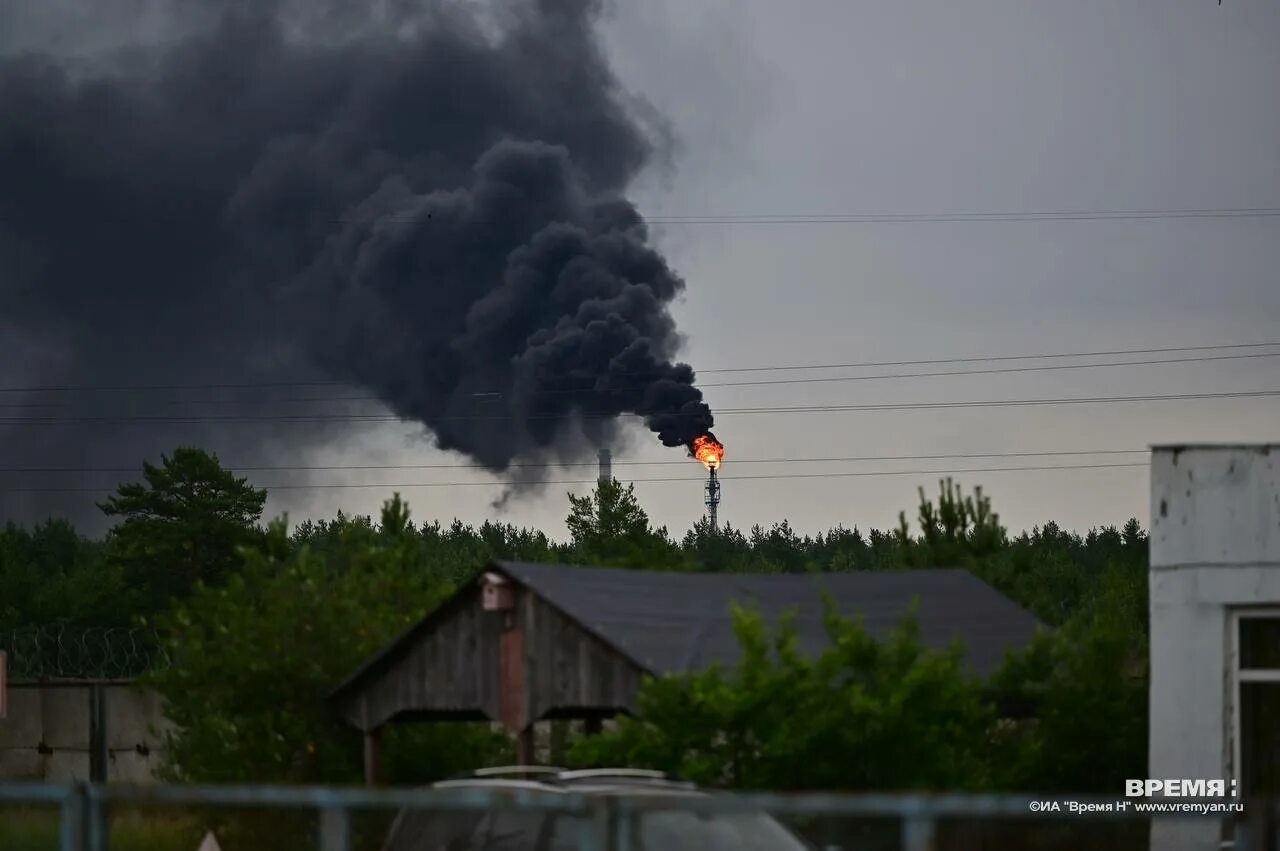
(433, 212)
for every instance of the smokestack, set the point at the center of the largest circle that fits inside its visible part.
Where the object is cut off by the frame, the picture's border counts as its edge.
(606, 465)
(713, 498)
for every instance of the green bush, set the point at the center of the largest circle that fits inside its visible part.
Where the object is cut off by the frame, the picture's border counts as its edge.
(864, 714)
(255, 659)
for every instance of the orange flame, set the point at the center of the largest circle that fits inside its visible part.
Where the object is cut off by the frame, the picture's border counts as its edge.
(708, 450)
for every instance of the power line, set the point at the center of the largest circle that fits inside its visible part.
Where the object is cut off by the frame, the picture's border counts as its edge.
(794, 409)
(870, 218)
(945, 373)
(772, 368)
(1008, 216)
(692, 480)
(1000, 403)
(997, 371)
(993, 358)
(548, 465)
(753, 383)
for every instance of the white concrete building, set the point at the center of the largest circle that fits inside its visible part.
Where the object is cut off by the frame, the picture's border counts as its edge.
(1215, 624)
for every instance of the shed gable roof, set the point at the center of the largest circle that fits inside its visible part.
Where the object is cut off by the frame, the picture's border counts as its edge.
(670, 622)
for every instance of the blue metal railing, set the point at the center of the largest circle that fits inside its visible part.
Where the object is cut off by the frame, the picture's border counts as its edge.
(83, 809)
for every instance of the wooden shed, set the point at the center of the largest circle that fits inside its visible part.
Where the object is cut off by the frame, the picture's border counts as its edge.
(523, 642)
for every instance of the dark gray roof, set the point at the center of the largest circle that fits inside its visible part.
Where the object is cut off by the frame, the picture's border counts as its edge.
(669, 622)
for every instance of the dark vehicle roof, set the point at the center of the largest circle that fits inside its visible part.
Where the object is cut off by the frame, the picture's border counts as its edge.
(428, 830)
(591, 781)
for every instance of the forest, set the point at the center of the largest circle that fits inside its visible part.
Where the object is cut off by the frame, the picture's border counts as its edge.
(260, 620)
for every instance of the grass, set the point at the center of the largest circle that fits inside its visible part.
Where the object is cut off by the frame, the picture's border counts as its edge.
(37, 830)
(31, 829)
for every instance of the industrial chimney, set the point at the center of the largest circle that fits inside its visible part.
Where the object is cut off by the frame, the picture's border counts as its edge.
(606, 465)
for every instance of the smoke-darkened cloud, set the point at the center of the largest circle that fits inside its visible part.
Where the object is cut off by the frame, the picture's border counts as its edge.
(432, 211)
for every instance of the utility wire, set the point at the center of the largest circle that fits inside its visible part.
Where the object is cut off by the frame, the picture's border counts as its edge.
(239, 468)
(1007, 216)
(944, 373)
(923, 218)
(794, 409)
(774, 368)
(993, 358)
(406, 485)
(870, 218)
(753, 383)
(1001, 403)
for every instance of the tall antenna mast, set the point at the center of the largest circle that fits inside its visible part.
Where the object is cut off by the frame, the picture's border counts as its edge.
(713, 498)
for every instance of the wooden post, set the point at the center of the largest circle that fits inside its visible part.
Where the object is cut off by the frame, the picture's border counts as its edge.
(558, 745)
(524, 746)
(372, 757)
(512, 697)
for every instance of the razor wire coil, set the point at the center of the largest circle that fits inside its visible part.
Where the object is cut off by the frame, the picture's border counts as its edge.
(60, 652)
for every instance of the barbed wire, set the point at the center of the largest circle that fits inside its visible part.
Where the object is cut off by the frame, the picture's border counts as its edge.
(83, 653)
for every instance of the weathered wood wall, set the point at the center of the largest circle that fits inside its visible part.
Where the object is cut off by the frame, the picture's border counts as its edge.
(569, 672)
(450, 670)
(454, 669)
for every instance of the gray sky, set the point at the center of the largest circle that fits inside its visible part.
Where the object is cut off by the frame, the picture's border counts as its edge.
(827, 106)
(831, 106)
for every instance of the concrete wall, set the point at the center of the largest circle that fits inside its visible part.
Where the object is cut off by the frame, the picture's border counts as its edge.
(46, 734)
(1215, 546)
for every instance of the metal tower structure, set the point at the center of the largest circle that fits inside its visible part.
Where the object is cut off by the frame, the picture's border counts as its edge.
(713, 498)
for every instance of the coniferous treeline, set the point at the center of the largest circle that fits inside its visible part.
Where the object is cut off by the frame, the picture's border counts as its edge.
(260, 622)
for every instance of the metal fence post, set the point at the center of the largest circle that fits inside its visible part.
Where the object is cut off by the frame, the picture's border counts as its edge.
(98, 756)
(71, 821)
(599, 836)
(625, 829)
(96, 835)
(335, 828)
(919, 833)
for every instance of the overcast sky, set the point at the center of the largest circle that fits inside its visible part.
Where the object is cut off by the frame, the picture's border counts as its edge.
(832, 106)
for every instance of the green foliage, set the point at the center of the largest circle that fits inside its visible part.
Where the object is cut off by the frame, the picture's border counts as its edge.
(864, 714)
(610, 529)
(1054, 573)
(1087, 680)
(1088, 686)
(52, 575)
(184, 526)
(267, 623)
(455, 551)
(255, 658)
(954, 532)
